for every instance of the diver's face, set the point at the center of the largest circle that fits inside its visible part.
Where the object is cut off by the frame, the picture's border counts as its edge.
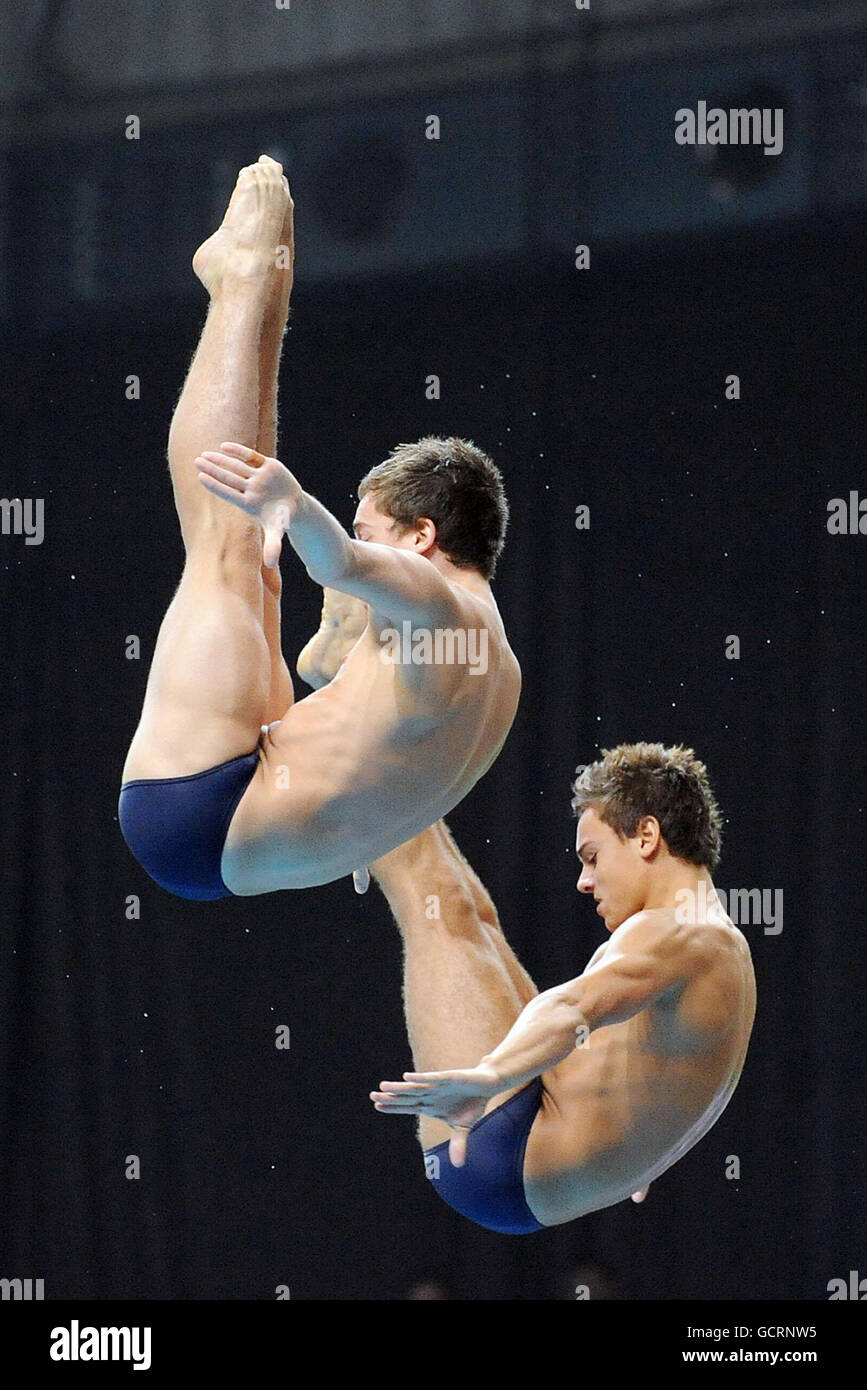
(613, 870)
(371, 524)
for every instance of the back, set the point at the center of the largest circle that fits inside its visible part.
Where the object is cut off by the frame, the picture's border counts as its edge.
(639, 1094)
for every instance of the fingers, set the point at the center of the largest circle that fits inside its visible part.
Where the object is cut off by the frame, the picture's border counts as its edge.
(397, 1105)
(228, 494)
(237, 467)
(404, 1088)
(398, 1098)
(230, 480)
(243, 452)
(271, 547)
(458, 1147)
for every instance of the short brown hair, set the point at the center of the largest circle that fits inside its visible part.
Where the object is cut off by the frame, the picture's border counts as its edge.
(646, 779)
(456, 485)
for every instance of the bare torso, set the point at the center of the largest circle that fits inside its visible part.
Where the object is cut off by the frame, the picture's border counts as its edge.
(637, 1095)
(378, 754)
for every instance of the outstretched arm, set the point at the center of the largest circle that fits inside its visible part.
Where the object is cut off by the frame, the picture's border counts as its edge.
(640, 964)
(635, 969)
(396, 583)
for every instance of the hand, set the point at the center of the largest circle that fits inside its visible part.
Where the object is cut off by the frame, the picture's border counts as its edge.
(458, 1097)
(260, 487)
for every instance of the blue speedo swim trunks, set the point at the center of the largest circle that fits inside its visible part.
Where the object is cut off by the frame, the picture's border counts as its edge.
(176, 827)
(489, 1189)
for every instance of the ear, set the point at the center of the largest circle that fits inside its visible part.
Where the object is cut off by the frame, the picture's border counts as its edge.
(426, 535)
(649, 836)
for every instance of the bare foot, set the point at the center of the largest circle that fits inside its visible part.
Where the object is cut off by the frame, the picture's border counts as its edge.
(344, 618)
(245, 246)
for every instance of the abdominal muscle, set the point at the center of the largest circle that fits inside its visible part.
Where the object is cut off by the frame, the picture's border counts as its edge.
(362, 765)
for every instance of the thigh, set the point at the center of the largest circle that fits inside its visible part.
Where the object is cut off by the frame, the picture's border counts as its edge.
(208, 686)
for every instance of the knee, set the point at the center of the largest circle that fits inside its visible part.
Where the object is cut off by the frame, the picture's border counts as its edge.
(455, 911)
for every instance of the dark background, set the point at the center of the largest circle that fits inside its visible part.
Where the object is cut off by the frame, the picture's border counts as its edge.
(155, 1037)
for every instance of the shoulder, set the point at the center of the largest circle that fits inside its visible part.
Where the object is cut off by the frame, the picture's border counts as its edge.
(658, 931)
(481, 613)
(474, 608)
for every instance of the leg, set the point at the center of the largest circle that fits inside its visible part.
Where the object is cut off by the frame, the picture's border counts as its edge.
(209, 683)
(281, 694)
(459, 995)
(487, 914)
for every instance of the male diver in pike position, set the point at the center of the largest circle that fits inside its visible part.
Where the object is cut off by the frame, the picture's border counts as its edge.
(535, 1109)
(230, 788)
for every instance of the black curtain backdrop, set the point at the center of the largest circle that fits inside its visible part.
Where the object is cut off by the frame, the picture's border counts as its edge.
(156, 1037)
